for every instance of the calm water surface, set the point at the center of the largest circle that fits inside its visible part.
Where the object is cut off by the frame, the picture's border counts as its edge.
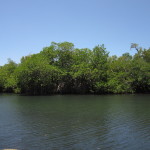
(87, 122)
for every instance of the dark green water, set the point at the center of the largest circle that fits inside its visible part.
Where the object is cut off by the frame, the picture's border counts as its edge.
(111, 122)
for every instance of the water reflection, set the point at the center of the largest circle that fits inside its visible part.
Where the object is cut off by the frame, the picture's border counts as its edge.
(75, 122)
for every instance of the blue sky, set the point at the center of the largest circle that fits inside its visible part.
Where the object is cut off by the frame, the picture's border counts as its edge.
(26, 26)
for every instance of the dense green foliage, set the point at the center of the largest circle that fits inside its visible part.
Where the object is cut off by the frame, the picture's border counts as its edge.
(61, 68)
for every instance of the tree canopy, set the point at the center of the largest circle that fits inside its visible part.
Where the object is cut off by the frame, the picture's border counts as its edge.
(62, 68)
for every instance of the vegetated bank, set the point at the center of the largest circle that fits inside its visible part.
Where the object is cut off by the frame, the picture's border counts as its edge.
(63, 69)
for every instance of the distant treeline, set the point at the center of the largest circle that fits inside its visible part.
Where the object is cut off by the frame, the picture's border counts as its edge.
(63, 69)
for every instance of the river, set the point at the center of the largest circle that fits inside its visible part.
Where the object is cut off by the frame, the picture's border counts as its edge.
(75, 122)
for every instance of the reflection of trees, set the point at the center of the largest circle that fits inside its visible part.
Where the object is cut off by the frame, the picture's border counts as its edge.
(62, 122)
(106, 122)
